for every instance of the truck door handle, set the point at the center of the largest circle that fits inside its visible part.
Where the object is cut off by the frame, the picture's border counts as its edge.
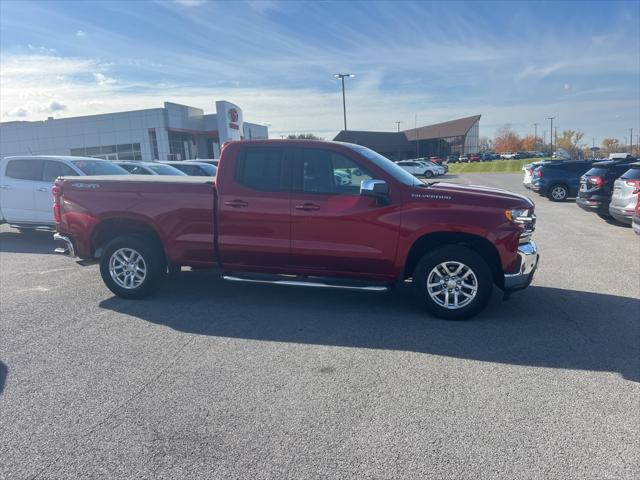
(236, 204)
(308, 207)
(43, 190)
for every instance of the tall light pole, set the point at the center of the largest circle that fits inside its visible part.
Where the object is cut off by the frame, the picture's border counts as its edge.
(535, 136)
(551, 134)
(341, 76)
(631, 141)
(398, 122)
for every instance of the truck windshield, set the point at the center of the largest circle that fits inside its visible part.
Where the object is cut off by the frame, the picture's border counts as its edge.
(399, 173)
(99, 167)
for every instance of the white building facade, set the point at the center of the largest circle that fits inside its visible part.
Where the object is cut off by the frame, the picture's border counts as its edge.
(174, 132)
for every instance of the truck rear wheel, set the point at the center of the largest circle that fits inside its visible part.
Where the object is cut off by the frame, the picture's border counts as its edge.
(132, 266)
(453, 282)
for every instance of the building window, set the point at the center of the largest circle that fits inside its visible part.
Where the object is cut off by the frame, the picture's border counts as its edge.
(182, 146)
(154, 143)
(125, 151)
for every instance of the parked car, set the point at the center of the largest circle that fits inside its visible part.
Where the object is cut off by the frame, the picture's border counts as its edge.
(624, 200)
(487, 156)
(508, 155)
(437, 159)
(418, 168)
(559, 179)
(452, 159)
(440, 169)
(463, 158)
(210, 161)
(26, 181)
(455, 241)
(596, 186)
(621, 156)
(193, 168)
(342, 177)
(149, 168)
(528, 173)
(443, 167)
(474, 157)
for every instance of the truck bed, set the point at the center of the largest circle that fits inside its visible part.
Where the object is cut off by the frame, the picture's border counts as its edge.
(178, 209)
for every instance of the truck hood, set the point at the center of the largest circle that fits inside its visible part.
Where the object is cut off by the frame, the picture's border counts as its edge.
(490, 195)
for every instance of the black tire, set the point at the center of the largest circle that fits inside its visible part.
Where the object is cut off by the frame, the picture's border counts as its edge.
(558, 193)
(463, 255)
(154, 260)
(428, 174)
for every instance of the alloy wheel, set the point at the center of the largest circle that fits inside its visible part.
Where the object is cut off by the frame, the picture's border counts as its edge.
(127, 268)
(452, 285)
(559, 193)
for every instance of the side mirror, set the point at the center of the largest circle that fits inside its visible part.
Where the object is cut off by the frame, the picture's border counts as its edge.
(375, 188)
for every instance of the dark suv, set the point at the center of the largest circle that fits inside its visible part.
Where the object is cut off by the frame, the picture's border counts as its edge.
(559, 179)
(596, 186)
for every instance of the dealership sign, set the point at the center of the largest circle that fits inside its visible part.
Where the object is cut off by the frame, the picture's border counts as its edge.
(229, 121)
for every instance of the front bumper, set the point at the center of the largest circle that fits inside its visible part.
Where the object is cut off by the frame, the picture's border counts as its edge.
(527, 264)
(65, 245)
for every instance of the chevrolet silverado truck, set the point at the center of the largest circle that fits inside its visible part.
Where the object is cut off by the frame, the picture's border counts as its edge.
(280, 211)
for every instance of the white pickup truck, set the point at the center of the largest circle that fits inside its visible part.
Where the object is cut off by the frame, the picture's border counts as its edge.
(25, 186)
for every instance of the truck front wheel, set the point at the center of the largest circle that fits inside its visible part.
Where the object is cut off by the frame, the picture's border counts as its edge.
(453, 282)
(132, 266)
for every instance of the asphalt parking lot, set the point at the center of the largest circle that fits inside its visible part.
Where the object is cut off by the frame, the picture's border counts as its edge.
(224, 380)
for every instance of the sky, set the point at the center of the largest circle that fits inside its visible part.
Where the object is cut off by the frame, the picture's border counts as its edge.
(514, 62)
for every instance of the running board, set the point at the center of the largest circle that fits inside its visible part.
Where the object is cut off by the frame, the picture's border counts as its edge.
(308, 282)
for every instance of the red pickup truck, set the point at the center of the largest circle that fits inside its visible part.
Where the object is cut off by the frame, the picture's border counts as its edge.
(303, 212)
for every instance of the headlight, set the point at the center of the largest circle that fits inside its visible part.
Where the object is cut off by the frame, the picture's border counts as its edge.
(518, 215)
(525, 219)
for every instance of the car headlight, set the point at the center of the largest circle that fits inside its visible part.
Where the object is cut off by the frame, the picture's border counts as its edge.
(518, 215)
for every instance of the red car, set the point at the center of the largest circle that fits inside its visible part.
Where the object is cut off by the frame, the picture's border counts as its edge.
(474, 157)
(437, 160)
(276, 212)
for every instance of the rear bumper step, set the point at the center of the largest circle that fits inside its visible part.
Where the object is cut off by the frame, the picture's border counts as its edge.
(66, 245)
(318, 282)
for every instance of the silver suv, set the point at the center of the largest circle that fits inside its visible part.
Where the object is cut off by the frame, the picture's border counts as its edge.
(625, 194)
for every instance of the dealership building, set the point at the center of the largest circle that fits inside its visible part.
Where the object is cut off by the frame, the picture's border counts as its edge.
(455, 137)
(174, 132)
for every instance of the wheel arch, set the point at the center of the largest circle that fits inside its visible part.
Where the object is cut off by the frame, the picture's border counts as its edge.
(432, 241)
(113, 227)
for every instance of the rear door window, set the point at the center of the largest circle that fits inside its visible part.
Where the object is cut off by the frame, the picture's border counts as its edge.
(26, 169)
(596, 172)
(53, 170)
(262, 168)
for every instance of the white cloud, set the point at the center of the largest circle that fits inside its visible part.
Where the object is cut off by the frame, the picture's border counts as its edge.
(53, 106)
(81, 33)
(34, 84)
(43, 50)
(18, 112)
(102, 79)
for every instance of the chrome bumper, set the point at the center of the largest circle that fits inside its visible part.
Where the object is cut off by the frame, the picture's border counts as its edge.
(527, 263)
(66, 247)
